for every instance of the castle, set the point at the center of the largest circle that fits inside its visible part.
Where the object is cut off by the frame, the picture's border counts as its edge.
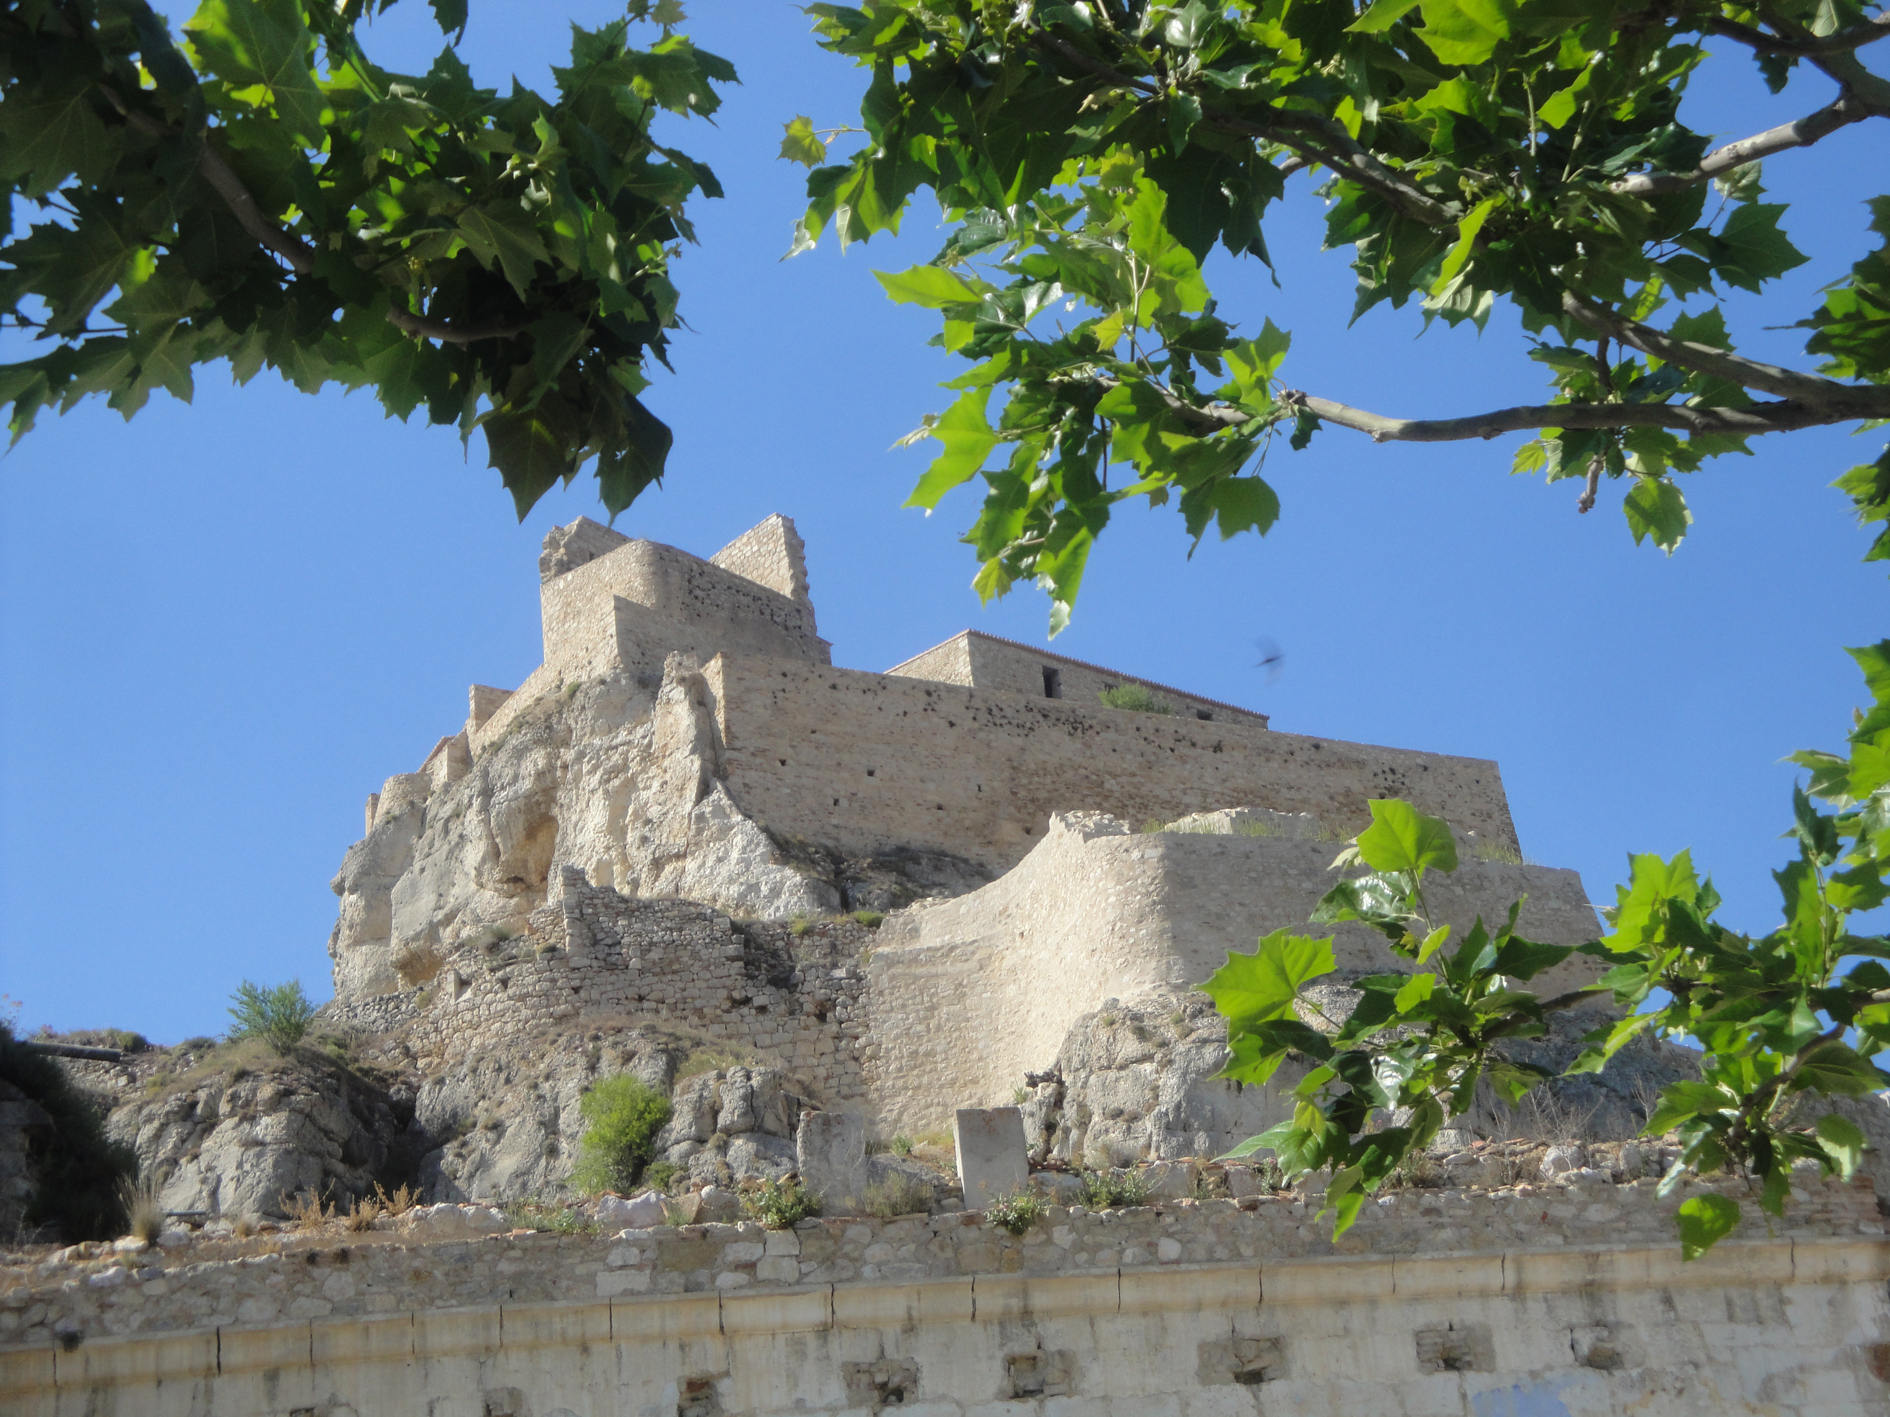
(858, 902)
(687, 750)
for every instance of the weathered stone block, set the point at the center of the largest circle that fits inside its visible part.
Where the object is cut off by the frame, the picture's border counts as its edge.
(830, 1151)
(992, 1161)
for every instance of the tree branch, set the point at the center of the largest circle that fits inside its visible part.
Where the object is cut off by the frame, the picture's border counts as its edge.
(1341, 152)
(1801, 133)
(425, 327)
(1704, 359)
(1808, 47)
(1783, 417)
(227, 185)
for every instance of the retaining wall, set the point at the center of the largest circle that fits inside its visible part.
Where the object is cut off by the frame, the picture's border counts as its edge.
(1551, 1302)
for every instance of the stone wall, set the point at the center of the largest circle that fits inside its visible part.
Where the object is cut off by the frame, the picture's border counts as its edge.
(970, 994)
(1554, 1301)
(792, 998)
(871, 761)
(625, 610)
(980, 661)
(772, 555)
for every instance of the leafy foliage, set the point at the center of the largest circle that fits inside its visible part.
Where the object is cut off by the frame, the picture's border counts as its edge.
(623, 1115)
(1135, 698)
(1089, 154)
(263, 193)
(279, 1016)
(1015, 1213)
(1783, 1019)
(781, 1205)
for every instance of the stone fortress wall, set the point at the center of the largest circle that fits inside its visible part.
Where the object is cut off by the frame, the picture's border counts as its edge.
(980, 661)
(871, 761)
(1569, 1299)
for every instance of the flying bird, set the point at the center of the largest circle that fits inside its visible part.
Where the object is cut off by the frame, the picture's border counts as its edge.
(1272, 658)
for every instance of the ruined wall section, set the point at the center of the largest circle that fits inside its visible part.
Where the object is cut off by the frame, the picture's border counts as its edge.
(794, 999)
(971, 994)
(980, 661)
(872, 761)
(626, 611)
(772, 555)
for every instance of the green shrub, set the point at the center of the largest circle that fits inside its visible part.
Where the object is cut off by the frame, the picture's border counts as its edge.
(80, 1170)
(659, 1175)
(278, 1016)
(902, 1144)
(1016, 1213)
(1107, 1190)
(799, 925)
(1134, 698)
(869, 918)
(781, 1205)
(624, 1114)
(125, 1041)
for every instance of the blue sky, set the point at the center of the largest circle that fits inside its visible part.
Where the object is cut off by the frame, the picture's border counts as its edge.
(223, 624)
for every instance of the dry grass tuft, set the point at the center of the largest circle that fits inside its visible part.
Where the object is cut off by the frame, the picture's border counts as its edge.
(307, 1211)
(144, 1217)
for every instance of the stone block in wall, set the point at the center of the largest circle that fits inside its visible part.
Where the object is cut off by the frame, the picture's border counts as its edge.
(992, 1161)
(830, 1151)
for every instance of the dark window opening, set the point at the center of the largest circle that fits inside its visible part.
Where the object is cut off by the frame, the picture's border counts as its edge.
(1052, 683)
(1204, 715)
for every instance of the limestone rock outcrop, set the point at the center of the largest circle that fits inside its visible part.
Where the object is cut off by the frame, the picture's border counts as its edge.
(248, 1143)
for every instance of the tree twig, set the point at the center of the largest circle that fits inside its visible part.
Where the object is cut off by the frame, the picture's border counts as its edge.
(1704, 359)
(1339, 150)
(426, 327)
(1800, 133)
(227, 185)
(1807, 47)
(1754, 419)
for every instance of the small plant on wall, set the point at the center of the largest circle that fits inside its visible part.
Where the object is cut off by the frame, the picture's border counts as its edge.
(622, 1116)
(1135, 698)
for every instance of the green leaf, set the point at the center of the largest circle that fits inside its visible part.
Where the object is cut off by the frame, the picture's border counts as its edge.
(50, 133)
(502, 232)
(1401, 838)
(802, 144)
(1525, 959)
(530, 452)
(1757, 250)
(450, 15)
(1704, 1221)
(1833, 1068)
(1252, 988)
(1464, 31)
(264, 51)
(931, 286)
(1243, 504)
(968, 437)
(1842, 1142)
(1382, 15)
(1460, 253)
(1560, 106)
(1681, 1100)
(1254, 362)
(1654, 507)
(1415, 992)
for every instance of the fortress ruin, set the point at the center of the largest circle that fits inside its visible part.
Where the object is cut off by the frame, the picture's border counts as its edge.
(831, 914)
